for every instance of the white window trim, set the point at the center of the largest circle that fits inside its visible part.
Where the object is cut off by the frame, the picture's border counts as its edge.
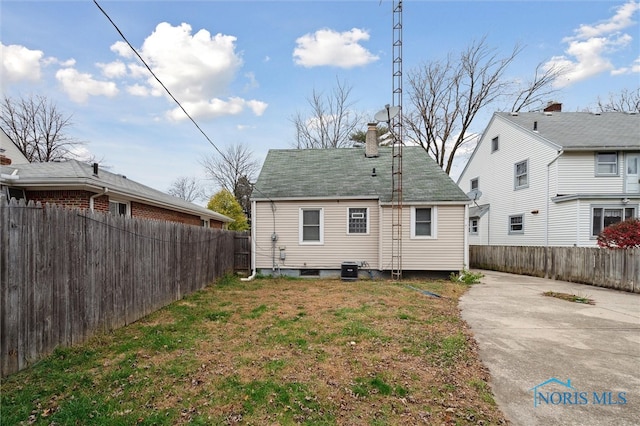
(604, 207)
(509, 225)
(497, 140)
(349, 217)
(477, 181)
(434, 223)
(515, 175)
(477, 231)
(127, 203)
(300, 227)
(617, 164)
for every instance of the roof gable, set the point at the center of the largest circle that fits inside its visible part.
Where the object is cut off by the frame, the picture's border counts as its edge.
(347, 173)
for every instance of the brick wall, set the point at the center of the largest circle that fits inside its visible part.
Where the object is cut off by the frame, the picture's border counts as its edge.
(75, 199)
(80, 200)
(151, 212)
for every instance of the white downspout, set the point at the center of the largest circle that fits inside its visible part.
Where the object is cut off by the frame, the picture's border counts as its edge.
(546, 220)
(466, 237)
(254, 271)
(94, 196)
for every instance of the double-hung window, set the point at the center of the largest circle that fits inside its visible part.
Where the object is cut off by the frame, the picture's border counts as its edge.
(358, 221)
(601, 217)
(516, 224)
(473, 225)
(521, 174)
(423, 222)
(311, 226)
(606, 164)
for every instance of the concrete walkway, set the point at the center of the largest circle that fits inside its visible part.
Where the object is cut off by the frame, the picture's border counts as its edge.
(582, 362)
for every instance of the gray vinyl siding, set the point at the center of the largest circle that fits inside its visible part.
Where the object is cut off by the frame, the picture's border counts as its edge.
(338, 246)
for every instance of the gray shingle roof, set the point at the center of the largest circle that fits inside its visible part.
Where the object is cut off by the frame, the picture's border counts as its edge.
(74, 174)
(582, 130)
(346, 173)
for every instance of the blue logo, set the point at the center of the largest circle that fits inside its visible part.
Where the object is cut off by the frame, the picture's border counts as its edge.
(546, 393)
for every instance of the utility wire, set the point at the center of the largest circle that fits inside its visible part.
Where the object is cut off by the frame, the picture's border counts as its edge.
(224, 157)
(158, 80)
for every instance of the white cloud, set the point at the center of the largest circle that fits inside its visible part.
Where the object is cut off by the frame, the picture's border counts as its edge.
(138, 90)
(216, 108)
(79, 86)
(20, 63)
(113, 69)
(193, 67)
(252, 83)
(196, 68)
(327, 47)
(591, 49)
(621, 20)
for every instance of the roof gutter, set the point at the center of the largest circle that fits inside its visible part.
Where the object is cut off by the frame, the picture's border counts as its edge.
(94, 196)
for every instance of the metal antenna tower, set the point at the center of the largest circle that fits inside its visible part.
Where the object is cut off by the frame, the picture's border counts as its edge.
(398, 135)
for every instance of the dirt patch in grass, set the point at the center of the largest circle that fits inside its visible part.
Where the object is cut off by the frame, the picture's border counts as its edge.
(272, 351)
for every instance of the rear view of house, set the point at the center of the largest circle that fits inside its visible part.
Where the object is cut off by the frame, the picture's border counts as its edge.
(317, 209)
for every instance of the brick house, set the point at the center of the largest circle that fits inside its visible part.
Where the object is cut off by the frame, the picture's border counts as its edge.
(79, 185)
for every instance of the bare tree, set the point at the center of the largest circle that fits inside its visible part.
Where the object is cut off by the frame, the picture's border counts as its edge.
(187, 188)
(627, 100)
(38, 128)
(447, 95)
(331, 121)
(532, 94)
(233, 169)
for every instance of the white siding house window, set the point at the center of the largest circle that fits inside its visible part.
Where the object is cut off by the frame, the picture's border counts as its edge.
(606, 164)
(358, 221)
(423, 222)
(473, 225)
(475, 183)
(118, 208)
(495, 144)
(521, 174)
(311, 226)
(516, 224)
(601, 217)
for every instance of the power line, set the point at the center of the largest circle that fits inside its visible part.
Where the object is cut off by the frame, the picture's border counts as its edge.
(158, 80)
(224, 157)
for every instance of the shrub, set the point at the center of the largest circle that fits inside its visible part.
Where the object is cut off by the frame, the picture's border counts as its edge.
(621, 235)
(466, 277)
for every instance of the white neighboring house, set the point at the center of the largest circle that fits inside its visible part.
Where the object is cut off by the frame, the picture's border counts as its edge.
(552, 178)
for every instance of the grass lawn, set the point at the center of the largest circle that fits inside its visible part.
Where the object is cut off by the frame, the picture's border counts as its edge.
(271, 352)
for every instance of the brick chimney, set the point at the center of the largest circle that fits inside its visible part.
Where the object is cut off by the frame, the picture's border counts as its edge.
(371, 141)
(553, 106)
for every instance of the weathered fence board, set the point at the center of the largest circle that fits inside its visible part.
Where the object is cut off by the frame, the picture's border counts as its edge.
(68, 274)
(618, 269)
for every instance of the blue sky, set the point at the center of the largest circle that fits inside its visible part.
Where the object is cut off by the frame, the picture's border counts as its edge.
(244, 68)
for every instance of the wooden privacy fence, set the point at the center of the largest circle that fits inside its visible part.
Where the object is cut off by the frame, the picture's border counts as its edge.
(618, 269)
(68, 274)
